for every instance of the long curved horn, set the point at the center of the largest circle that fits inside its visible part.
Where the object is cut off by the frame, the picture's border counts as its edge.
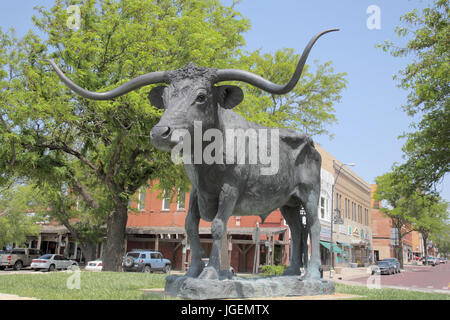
(266, 85)
(136, 83)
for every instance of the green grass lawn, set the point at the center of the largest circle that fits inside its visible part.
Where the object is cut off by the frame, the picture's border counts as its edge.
(126, 285)
(93, 285)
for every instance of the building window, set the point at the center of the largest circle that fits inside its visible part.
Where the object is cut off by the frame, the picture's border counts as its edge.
(166, 201)
(348, 208)
(181, 200)
(322, 207)
(353, 211)
(338, 205)
(142, 194)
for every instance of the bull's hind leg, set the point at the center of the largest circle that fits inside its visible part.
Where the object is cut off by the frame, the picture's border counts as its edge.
(191, 225)
(293, 219)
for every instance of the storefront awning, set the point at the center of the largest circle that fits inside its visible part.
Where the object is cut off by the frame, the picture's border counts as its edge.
(345, 244)
(335, 247)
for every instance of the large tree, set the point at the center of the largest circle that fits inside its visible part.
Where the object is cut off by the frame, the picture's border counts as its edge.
(45, 125)
(427, 79)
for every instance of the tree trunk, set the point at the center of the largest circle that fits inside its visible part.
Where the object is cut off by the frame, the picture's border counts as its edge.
(89, 250)
(426, 249)
(115, 238)
(400, 252)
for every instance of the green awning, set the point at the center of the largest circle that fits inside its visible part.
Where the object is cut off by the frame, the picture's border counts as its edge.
(335, 247)
(345, 244)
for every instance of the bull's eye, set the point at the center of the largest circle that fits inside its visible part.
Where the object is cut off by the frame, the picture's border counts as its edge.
(201, 98)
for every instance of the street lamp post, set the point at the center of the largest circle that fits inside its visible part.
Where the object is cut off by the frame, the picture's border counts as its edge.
(332, 212)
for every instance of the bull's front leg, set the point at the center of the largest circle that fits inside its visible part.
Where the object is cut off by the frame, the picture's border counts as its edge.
(191, 225)
(227, 201)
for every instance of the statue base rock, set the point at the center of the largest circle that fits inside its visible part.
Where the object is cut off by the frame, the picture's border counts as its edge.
(239, 288)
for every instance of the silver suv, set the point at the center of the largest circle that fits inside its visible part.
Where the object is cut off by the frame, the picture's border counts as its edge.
(18, 258)
(145, 261)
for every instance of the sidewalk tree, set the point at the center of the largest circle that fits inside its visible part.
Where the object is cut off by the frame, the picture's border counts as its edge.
(442, 240)
(427, 80)
(391, 192)
(429, 214)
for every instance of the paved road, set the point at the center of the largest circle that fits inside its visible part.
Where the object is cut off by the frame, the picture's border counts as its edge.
(421, 277)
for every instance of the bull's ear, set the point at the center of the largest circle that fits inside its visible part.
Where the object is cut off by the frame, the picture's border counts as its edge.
(156, 96)
(229, 96)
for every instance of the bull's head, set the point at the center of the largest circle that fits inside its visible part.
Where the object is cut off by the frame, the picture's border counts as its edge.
(191, 94)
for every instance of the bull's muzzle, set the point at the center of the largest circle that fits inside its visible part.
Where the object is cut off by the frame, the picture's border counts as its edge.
(160, 137)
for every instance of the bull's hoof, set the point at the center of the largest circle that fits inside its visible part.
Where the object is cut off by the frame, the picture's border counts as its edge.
(292, 271)
(195, 270)
(312, 274)
(226, 274)
(209, 273)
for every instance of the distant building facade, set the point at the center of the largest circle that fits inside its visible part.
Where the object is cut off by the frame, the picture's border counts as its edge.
(353, 238)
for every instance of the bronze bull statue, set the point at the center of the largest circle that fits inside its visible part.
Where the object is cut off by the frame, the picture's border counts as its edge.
(221, 190)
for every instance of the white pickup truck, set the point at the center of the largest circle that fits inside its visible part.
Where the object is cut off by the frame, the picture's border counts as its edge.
(18, 258)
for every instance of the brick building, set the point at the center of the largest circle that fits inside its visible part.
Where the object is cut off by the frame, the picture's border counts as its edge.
(385, 236)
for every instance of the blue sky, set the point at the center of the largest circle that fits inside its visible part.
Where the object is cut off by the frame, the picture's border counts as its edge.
(370, 115)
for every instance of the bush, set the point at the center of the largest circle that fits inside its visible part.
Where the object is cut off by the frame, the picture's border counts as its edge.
(268, 270)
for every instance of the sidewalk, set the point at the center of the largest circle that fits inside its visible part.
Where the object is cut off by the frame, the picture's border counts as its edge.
(347, 273)
(4, 296)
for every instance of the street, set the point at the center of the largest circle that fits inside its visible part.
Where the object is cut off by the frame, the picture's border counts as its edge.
(416, 277)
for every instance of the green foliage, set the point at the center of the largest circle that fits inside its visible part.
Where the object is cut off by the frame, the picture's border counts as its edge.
(441, 239)
(428, 80)
(269, 270)
(307, 108)
(18, 208)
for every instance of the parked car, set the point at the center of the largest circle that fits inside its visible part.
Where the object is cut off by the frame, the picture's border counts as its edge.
(146, 261)
(18, 258)
(395, 262)
(52, 262)
(443, 260)
(96, 265)
(383, 267)
(432, 261)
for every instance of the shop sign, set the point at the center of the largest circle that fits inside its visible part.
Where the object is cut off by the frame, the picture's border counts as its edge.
(325, 233)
